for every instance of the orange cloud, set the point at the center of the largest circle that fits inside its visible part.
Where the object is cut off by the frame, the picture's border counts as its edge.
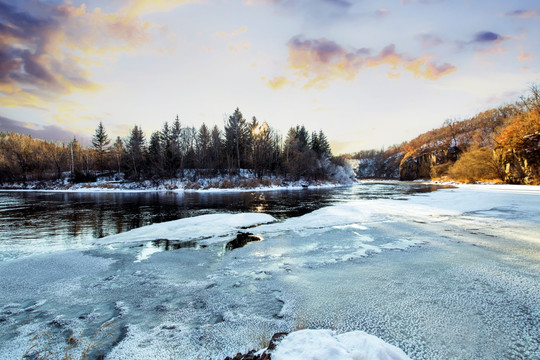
(48, 50)
(278, 82)
(525, 56)
(239, 46)
(140, 7)
(317, 62)
(225, 35)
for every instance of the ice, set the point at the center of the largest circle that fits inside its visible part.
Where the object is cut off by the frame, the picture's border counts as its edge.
(453, 274)
(198, 227)
(326, 344)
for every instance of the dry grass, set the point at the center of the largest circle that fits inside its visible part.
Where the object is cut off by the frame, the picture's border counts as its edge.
(249, 183)
(192, 186)
(41, 345)
(226, 184)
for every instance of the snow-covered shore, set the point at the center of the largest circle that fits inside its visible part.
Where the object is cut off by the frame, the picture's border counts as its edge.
(220, 184)
(448, 274)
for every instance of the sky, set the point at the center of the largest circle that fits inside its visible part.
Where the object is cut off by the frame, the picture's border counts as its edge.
(369, 74)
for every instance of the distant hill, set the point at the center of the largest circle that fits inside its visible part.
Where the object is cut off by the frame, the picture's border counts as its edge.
(497, 145)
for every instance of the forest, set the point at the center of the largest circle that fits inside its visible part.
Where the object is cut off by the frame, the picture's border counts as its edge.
(175, 151)
(497, 145)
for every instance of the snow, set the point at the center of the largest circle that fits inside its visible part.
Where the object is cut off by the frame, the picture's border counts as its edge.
(452, 274)
(326, 344)
(198, 227)
(218, 184)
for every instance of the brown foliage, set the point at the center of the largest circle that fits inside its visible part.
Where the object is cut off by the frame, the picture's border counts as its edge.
(514, 135)
(475, 165)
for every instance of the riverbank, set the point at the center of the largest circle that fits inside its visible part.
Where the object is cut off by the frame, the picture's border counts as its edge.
(213, 184)
(415, 270)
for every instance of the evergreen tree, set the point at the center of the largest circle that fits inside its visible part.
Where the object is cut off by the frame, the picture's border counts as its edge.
(302, 138)
(315, 144)
(324, 146)
(203, 146)
(236, 132)
(100, 142)
(136, 147)
(178, 153)
(216, 146)
(155, 156)
(168, 150)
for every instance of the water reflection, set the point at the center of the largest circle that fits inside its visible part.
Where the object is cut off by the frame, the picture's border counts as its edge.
(241, 240)
(159, 245)
(37, 222)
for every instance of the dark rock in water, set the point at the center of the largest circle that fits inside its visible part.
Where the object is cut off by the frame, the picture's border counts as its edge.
(251, 355)
(276, 339)
(242, 238)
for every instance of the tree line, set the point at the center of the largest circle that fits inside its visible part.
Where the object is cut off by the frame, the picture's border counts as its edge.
(175, 151)
(499, 144)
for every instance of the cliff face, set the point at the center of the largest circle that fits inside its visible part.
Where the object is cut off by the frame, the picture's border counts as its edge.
(522, 166)
(416, 166)
(379, 167)
(518, 166)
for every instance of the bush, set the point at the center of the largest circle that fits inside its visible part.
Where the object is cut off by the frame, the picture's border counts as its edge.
(477, 164)
(441, 170)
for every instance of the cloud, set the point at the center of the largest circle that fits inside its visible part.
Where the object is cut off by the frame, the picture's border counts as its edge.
(317, 62)
(320, 11)
(487, 37)
(531, 13)
(226, 35)
(239, 46)
(278, 82)
(47, 132)
(525, 56)
(430, 40)
(136, 8)
(47, 50)
(486, 43)
(425, 2)
(381, 13)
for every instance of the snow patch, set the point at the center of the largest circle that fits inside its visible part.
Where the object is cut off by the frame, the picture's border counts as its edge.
(326, 344)
(198, 227)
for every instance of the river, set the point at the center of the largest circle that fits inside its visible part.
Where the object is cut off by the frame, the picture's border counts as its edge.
(446, 274)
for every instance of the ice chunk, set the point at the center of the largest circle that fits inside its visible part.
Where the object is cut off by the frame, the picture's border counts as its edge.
(325, 344)
(186, 229)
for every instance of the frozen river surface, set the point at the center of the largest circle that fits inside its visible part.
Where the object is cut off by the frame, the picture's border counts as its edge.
(452, 274)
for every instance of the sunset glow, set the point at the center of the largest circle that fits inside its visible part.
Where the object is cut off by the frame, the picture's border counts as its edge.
(369, 74)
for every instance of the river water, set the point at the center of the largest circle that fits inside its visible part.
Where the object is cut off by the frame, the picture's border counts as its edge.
(449, 274)
(41, 222)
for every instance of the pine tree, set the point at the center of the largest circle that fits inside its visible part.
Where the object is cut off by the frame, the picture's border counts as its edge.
(136, 147)
(324, 146)
(100, 142)
(236, 132)
(315, 144)
(203, 146)
(155, 155)
(216, 146)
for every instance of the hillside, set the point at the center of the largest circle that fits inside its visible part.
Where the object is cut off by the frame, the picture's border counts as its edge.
(497, 145)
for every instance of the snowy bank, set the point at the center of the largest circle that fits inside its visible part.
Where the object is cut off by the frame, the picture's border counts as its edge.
(326, 344)
(198, 227)
(236, 183)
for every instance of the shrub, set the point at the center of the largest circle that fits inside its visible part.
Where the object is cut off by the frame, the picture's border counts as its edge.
(475, 165)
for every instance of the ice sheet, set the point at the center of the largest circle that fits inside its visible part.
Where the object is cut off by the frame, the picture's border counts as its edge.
(198, 227)
(469, 290)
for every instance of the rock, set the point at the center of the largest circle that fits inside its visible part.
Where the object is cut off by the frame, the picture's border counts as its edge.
(266, 355)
